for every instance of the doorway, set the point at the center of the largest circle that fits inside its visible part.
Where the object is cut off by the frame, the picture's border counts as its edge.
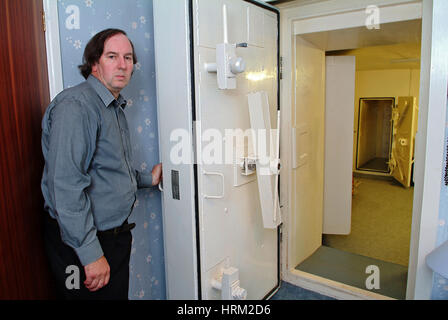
(381, 208)
(374, 145)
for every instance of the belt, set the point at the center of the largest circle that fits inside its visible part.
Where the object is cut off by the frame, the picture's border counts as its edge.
(123, 228)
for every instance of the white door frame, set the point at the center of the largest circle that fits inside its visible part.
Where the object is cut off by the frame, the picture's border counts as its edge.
(54, 63)
(429, 141)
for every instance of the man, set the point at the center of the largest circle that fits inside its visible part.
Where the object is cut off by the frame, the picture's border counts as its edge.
(88, 183)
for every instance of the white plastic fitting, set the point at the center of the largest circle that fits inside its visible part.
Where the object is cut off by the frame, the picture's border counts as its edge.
(229, 285)
(228, 65)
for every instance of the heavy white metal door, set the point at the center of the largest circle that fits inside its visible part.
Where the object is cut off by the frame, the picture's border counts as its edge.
(231, 232)
(404, 118)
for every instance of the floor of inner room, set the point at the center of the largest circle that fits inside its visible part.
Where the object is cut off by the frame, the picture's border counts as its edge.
(380, 235)
(376, 164)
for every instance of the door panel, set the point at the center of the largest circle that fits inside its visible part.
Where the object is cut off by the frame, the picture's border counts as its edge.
(307, 178)
(231, 230)
(339, 119)
(404, 130)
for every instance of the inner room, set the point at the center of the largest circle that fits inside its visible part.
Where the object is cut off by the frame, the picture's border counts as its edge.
(374, 134)
(373, 226)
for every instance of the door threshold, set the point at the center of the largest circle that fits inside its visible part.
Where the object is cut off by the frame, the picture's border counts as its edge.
(272, 293)
(329, 287)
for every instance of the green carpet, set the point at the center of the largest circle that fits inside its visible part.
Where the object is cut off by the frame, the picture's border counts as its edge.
(350, 269)
(381, 222)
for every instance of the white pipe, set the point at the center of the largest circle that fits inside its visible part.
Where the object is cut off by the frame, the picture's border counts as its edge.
(211, 67)
(224, 18)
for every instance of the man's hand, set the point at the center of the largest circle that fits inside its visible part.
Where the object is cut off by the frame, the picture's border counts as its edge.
(97, 274)
(157, 174)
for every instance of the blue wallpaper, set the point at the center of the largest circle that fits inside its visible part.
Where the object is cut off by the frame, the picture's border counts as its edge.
(79, 20)
(440, 284)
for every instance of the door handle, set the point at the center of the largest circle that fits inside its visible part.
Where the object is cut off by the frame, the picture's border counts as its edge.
(208, 173)
(160, 185)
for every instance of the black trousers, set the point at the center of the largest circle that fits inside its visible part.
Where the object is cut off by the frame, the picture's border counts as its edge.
(117, 251)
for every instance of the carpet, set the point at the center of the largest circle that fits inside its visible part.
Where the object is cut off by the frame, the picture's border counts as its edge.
(350, 269)
(288, 291)
(381, 222)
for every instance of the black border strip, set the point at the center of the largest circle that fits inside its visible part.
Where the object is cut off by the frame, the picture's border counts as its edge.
(264, 6)
(195, 166)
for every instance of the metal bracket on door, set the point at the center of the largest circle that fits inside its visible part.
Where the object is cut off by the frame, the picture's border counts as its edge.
(207, 173)
(228, 65)
(248, 165)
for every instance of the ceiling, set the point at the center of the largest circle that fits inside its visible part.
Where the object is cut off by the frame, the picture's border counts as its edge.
(361, 37)
(396, 45)
(396, 56)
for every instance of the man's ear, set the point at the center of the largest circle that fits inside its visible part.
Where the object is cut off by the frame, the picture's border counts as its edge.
(95, 67)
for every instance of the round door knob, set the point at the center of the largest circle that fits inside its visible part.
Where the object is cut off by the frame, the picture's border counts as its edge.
(237, 65)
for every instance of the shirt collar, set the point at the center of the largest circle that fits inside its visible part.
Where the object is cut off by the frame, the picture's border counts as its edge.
(106, 96)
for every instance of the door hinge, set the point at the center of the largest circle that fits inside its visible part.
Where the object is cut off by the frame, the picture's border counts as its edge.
(281, 68)
(280, 232)
(44, 24)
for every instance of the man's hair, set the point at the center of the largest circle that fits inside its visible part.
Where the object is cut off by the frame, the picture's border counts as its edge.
(95, 48)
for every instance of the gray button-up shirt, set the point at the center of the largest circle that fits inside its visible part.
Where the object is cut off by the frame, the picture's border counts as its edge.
(88, 183)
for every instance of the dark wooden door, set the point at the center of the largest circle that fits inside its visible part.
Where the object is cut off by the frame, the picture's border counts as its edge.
(24, 95)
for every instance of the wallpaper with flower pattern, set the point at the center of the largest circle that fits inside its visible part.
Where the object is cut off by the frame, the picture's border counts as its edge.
(79, 20)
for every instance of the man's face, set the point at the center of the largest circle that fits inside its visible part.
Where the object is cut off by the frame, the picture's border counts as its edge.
(114, 69)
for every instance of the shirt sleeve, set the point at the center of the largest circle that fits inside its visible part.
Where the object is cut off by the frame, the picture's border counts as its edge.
(144, 180)
(72, 143)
